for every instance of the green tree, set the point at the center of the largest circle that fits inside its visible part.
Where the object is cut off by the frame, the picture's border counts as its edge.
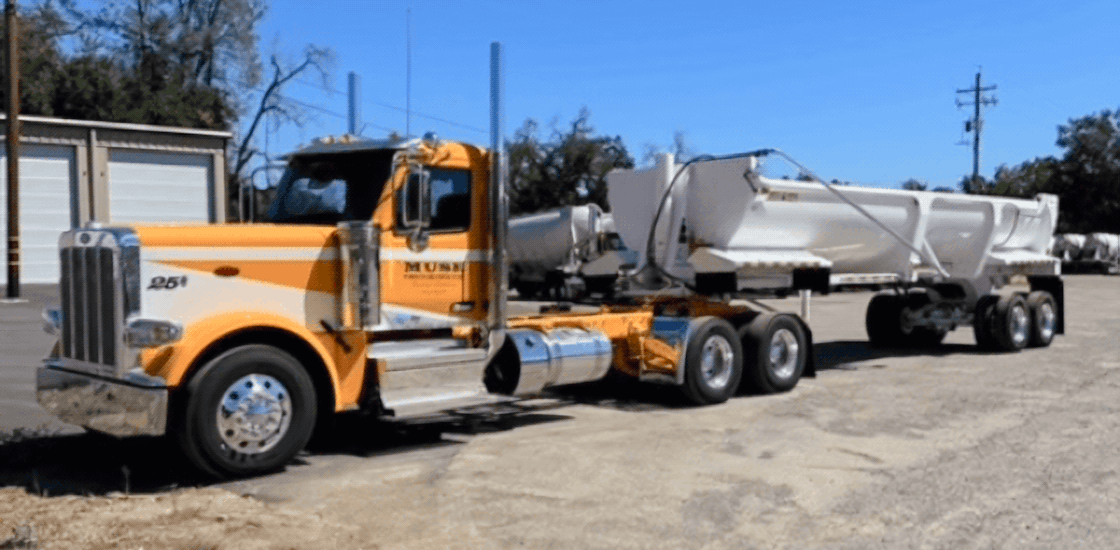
(914, 184)
(570, 169)
(87, 85)
(1024, 180)
(1086, 178)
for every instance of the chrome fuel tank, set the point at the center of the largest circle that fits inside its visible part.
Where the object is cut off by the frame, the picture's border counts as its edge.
(558, 357)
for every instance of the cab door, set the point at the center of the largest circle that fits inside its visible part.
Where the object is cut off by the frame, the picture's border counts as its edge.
(426, 255)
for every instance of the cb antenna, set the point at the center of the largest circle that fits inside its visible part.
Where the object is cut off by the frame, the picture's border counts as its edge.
(408, 75)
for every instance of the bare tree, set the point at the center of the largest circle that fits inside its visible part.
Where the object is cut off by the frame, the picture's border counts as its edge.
(273, 104)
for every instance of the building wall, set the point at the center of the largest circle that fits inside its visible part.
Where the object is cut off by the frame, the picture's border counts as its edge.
(74, 172)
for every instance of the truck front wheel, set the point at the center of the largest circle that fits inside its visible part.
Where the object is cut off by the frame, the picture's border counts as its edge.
(247, 411)
(713, 364)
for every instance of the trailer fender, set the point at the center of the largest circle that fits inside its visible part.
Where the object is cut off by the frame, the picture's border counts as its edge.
(1056, 287)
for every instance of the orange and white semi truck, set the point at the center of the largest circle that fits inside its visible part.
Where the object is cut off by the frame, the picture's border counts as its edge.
(379, 285)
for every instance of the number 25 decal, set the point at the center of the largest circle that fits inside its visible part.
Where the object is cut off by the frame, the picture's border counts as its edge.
(167, 283)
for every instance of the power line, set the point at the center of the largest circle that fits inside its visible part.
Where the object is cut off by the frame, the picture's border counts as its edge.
(394, 107)
(327, 111)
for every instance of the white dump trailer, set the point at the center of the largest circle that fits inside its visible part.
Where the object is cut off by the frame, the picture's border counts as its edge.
(1067, 246)
(1101, 253)
(717, 226)
(566, 252)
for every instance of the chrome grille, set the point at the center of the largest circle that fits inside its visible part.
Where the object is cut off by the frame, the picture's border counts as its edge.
(90, 288)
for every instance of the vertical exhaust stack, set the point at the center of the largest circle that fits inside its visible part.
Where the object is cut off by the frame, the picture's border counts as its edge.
(499, 204)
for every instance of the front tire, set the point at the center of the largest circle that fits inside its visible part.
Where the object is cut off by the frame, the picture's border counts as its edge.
(248, 411)
(776, 351)
(713, 363)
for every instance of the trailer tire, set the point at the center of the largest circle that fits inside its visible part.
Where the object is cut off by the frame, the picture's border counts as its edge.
(230, 432)
(1044, 318)
(713, 364)
(775, 352)
(884, 322)
(1011, 323)
(527, 290)
(982, 321)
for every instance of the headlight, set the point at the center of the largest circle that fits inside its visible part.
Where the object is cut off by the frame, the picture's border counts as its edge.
(151, 333)
(52, 320)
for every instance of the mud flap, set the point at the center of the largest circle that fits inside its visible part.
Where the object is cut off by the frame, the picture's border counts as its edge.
(810, 358)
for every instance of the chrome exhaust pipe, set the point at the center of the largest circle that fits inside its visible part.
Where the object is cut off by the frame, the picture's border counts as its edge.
(498, 286)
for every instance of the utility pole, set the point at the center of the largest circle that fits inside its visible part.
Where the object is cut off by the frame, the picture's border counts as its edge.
(976, 123)
(13, 149)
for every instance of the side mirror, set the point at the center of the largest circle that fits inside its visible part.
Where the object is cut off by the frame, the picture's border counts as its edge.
(416, 208)
(415, 202)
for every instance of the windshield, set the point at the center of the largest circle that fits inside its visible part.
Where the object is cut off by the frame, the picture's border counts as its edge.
(327, 189)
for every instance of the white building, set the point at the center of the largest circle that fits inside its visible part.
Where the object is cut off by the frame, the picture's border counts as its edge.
(75, 171)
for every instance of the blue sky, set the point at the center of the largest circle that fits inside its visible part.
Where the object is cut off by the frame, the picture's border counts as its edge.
(859, 91)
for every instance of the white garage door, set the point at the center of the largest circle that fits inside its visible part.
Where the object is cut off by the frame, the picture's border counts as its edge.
(47, 207)
(146, 186)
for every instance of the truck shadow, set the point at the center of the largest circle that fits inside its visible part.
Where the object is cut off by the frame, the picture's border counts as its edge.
(839, 355)
(90, 464)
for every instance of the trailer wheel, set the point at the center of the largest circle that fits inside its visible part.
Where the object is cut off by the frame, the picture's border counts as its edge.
(1011, 323)
(247, 411)
(527, 290)
(887, 327)
(982, 321)
(713, 364)
(775, 352)
(1044, 318)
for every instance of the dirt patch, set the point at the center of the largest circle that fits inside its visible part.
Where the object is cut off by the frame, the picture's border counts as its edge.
(209, 519)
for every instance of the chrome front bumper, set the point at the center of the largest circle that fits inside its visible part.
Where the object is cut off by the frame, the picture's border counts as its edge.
(115, 407)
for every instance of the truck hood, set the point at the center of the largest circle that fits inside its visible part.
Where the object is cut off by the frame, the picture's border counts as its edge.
(236, 235)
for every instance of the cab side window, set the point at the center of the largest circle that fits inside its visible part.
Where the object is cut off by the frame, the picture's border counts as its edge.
(450, 199)
(436, 200)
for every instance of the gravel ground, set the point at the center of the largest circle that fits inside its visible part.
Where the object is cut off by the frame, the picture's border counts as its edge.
(949, 449)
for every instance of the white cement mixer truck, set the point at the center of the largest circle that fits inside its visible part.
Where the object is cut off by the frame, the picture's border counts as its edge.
(717, 226)
(566, 253)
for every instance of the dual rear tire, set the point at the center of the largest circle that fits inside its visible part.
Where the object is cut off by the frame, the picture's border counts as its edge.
(766, 355)
(1014, 322)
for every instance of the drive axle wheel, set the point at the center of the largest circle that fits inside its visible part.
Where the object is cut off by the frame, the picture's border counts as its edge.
(1044, 318)
(775, 350)
(713, 362)
(247, 411)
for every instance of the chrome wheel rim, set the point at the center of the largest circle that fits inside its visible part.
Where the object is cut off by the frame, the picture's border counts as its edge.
(716, 360)
(1019, 325)
(1046, 320)
(254, 414)
(783, 353)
